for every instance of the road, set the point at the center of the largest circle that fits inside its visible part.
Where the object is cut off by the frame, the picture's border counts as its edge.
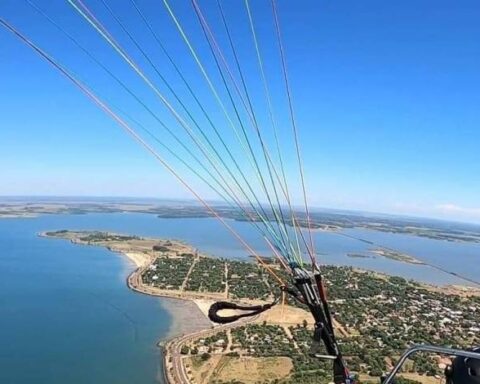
(173, 349)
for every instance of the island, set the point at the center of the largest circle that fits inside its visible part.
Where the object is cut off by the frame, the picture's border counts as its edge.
(376, 317)
(354, 255)
(395, 255)
(319, 220)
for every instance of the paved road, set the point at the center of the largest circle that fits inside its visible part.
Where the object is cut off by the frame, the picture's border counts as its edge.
(174, 347)
(179, 374)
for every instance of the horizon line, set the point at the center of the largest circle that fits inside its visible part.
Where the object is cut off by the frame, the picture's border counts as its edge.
(358, 212)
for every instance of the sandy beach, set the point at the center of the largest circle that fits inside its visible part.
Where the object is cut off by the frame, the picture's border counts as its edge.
(138, 259)
(187, 317)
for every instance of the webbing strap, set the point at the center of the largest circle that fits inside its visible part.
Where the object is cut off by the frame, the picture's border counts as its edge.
(221, 305)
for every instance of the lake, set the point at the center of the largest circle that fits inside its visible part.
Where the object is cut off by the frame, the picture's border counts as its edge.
(66, 314)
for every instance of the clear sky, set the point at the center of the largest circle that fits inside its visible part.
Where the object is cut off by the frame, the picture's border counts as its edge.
(387, 96)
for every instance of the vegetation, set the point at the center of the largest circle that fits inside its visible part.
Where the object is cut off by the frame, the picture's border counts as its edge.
(382, 315)
(325, 220)
(160, 248)
(208, 275)
(168, 272)
(92, 237)
(248, 280)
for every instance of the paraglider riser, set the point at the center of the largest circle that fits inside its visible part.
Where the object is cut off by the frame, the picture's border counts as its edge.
(310, 288)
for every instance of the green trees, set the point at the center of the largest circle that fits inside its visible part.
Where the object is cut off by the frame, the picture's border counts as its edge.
(205, 356)
(160, 248)
(208, 275)
(168, 273)
(383, 316)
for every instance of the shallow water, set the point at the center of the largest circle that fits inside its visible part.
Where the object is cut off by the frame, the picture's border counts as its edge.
(67, 316)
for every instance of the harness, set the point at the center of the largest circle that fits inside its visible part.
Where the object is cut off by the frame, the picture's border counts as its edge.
(312, 290)
(308, 289)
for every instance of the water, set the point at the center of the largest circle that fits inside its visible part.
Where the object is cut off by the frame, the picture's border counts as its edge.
(67, 316)
(461, 258)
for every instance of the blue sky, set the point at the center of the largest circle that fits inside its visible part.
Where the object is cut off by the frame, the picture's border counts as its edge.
(386, 95)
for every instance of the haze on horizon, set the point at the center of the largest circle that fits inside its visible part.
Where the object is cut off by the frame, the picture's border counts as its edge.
(386, 96)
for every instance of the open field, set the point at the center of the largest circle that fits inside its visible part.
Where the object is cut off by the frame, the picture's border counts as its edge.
(252, 370)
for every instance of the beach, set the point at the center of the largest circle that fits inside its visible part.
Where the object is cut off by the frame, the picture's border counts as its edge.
(188, 316)
(78, 291)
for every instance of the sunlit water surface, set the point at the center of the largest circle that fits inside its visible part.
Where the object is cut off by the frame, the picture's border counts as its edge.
(67, 316)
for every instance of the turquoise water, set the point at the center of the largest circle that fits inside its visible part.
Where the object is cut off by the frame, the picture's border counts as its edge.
(67, 316)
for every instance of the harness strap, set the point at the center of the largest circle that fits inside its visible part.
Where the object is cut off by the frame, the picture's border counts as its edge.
(221, 305)
(313, 292)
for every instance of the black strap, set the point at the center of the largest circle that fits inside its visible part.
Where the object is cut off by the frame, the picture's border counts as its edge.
(312, 290)
(294, 293)
(323, 298)
(220, 305)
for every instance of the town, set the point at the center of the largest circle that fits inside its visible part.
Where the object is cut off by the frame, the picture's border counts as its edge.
(376, 317)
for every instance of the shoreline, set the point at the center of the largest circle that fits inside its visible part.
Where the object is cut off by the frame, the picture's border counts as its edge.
(139, 261)
(188, 310)
(179, 307)
(19, 216)
(330, 221)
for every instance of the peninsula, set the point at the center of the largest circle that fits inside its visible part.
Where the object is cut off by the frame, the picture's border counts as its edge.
(376, 316)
